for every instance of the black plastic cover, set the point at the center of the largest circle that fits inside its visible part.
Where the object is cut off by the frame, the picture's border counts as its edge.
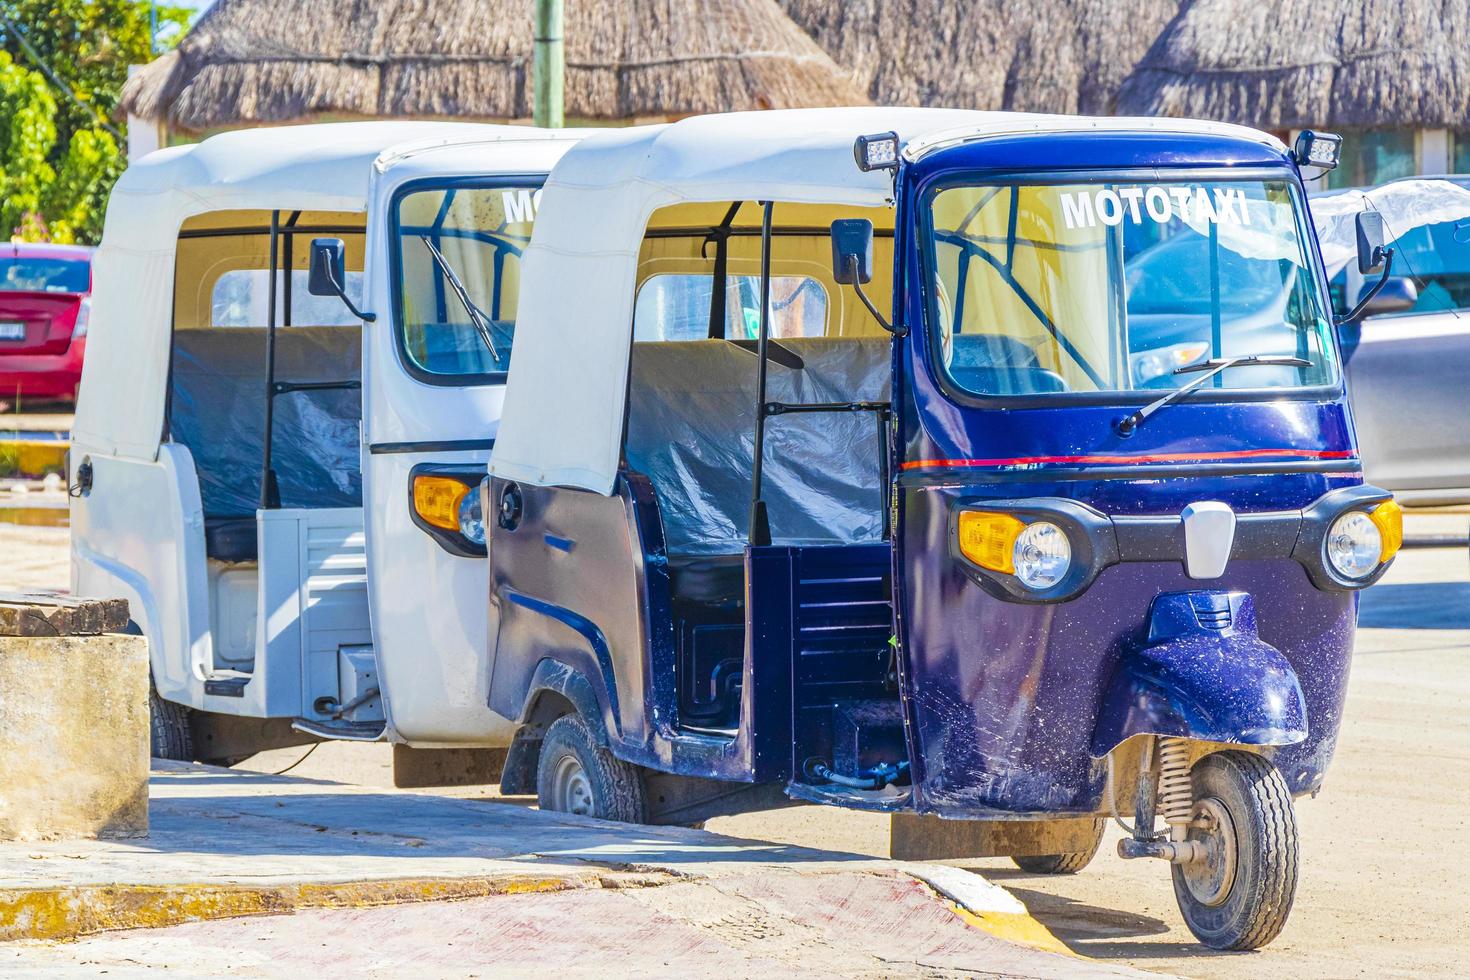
(217, 410)
(691, 430)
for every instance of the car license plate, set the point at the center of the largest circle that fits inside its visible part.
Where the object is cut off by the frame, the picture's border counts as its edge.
(12, 331)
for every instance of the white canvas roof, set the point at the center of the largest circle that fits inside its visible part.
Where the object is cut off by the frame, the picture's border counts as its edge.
(563, 417)
(327, 167)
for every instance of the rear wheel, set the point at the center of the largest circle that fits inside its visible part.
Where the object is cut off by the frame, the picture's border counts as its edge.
(1063, 864)
(576, 775)
(169, 725)
(1240, 894)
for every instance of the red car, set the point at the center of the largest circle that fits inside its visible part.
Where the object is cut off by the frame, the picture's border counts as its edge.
(45, 302)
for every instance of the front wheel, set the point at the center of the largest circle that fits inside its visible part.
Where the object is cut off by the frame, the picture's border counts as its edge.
(1063, 864)
(1239, 895)
(576, 775)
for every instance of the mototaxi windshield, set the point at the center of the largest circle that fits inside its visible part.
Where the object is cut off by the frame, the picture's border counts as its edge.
(1115, 284)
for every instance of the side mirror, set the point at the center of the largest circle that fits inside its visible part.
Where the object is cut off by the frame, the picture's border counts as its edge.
(1374, 255)
(852, 262)
(327, 274)
(1371, 241)
(1397, 295)
(852, 251)
(328, 270)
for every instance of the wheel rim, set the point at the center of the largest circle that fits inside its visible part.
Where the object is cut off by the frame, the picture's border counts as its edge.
(571, 789)
(1210, 879)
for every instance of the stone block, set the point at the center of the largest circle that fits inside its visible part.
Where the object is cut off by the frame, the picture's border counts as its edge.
(74, 737)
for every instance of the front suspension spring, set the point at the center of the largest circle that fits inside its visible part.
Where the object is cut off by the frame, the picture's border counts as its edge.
(1176, 787)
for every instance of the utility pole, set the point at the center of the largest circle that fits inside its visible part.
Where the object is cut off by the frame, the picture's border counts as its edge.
(549, 68)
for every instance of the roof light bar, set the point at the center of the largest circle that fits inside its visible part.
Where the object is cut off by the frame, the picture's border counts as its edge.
(1317, 150)
(876, 152)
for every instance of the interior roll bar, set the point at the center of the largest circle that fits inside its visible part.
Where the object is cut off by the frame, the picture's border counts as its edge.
(759, 533)
(270, 488)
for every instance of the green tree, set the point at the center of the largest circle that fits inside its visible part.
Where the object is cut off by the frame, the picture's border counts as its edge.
(27, 135)
(78, 52)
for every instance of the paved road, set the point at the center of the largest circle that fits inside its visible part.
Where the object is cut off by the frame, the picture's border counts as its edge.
(358, 880)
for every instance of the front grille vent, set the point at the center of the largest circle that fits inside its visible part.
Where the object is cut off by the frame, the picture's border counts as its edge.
(1211, 616)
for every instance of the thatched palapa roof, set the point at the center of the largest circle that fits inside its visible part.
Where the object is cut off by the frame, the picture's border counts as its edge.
(264, 61)
(1027, 55)
(1294, 64)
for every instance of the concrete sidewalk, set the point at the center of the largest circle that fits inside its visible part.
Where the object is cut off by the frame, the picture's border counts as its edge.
(229, 852)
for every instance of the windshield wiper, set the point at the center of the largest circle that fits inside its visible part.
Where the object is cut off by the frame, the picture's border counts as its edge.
(1133, 420)
(477, 316)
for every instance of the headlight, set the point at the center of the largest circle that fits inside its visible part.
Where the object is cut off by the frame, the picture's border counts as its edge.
(471, 518)
(1042, 555)
(450, 504)
(1354, 545)
(1039, 554)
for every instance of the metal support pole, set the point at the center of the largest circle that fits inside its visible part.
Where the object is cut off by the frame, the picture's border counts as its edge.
(760, 525)
(270, 493)
(885, 476)
(549, 67)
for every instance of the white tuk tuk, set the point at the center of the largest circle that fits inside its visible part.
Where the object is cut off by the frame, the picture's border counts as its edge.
(227, 448)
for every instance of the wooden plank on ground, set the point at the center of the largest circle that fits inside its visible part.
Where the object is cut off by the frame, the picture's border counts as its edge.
(53, 614)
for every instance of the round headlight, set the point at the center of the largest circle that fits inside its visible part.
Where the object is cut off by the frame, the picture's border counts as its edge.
(1042, 554)
(1354, 545)
(471, 519)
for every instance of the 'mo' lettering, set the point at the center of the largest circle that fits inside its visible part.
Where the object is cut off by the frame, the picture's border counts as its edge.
(520, 206)
(1077, 210)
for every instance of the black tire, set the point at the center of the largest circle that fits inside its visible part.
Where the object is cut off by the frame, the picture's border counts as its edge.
(169, 724)
(1263, 874)
(609, 788)
(1063, 864)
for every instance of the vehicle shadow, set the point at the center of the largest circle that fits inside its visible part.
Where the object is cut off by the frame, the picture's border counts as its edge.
(1069, 919)
(215, 813)
(1419, 605)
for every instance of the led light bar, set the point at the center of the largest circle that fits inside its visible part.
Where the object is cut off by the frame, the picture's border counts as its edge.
(1318, 150)
(876, 152)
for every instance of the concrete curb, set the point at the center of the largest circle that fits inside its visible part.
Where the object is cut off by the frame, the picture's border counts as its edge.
(987, 906)
(72, 912)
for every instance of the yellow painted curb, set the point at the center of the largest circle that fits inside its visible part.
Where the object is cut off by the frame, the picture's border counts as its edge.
(985, 905)
(1015, 927)
(74, 911)
(35, 457)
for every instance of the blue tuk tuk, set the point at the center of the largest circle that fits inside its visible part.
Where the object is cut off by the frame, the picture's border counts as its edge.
(989, 466)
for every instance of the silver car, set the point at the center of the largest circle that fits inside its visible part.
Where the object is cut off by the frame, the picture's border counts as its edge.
(1408, 359)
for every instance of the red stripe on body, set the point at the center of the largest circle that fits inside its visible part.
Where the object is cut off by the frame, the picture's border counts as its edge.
(1086, 460)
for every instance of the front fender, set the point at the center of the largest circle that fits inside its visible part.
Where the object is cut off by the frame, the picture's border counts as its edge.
(566, 684)
(554, 676)
(1204, 674)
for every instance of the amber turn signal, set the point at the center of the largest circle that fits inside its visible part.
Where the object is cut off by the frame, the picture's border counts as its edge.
(436, 499)
(989, 539)
(1388, 517)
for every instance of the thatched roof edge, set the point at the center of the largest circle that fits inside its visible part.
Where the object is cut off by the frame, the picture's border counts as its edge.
(663, 58)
